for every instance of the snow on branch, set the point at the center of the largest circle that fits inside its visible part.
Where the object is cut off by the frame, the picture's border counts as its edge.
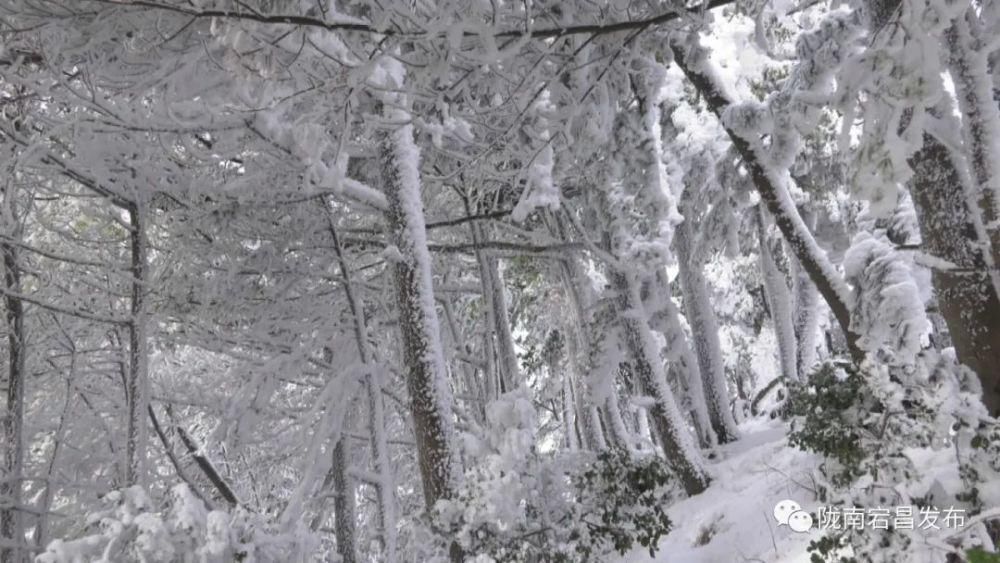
(360, 26)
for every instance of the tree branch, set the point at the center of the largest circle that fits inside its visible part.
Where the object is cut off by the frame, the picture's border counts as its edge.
(308, 21)
(505, 246)
(170, 454)
(772, 193)
(203, 462)
(469, 218)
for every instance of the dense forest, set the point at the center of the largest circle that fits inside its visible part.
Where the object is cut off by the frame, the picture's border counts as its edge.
(500, 281)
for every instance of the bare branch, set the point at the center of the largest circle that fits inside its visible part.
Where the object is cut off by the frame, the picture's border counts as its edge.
(308, 21)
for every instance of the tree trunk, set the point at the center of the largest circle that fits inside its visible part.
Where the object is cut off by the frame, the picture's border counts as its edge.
(965, 293)
(705, 334)
(476, 387)
(587, 331)
(338, 480)
(498, 319)
(806, 312)
(644, 353)
(980, 126)
(683, 363)
(617, 429)
(493, 370)
(58, 440)
(11, 485)
(578, 344)
(426, 375)
(678, 447)
(136, 388)
(572, 429)
(204, 464)
(510, 372)
(779, 303)
(384, 490)
(553, 354)
(773, 192)
(343, 504)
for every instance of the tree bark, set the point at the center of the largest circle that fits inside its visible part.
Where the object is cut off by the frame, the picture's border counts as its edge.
(578, 345)
(969, 70)
(384, 490)
(553, 354)
(705, 334)
(965, 294)
(775, 196)
(510, 372)
(497, 316)
(343, 504)
(426, 376)
(136, 387)
(680, 354)
(678, 448)
(806, 312)
(11, 485)
(779, 302)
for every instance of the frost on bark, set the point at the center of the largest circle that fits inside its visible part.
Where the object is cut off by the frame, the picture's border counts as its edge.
(376, 412)
(604, 362)
(806, 313)
(136, 387)
(510, 374)
(426, 376)
(11, 486)
(678, 446)
(770, 185)
(590, 362)
(338, 480)
(683, 363)
(498, 317)
(473, 385)
(493, 369)
(779, 302)
(587, 416)
(965, 293)
(578, 346)
(617, 429)
(343, 504)
(705, 335)
(553, 354)
(970, 74)
(954, 194)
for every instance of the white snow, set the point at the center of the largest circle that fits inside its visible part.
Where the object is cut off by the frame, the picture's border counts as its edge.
(733, 520)
(540, 189)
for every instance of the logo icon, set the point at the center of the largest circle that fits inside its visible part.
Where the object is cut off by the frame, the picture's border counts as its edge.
(800, 521)
(789, 513)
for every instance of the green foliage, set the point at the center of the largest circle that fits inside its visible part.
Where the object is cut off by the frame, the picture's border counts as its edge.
(825, 549)
(977, 555)
(611, 502)
(628, 502)
(830, 407)
(865, 420)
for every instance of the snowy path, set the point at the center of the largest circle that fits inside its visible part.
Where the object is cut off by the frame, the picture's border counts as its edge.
(732, 521)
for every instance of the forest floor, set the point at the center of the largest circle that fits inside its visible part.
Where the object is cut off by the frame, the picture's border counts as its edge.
(733, 521)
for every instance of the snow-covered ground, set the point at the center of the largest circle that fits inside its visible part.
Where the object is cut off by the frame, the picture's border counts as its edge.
(733, 520)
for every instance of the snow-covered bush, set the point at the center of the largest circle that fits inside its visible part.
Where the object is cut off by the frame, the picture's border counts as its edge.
(132, 527)
(889, 442)
(520, 505)
(561, 509)
(889, 309)
(832, 413)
